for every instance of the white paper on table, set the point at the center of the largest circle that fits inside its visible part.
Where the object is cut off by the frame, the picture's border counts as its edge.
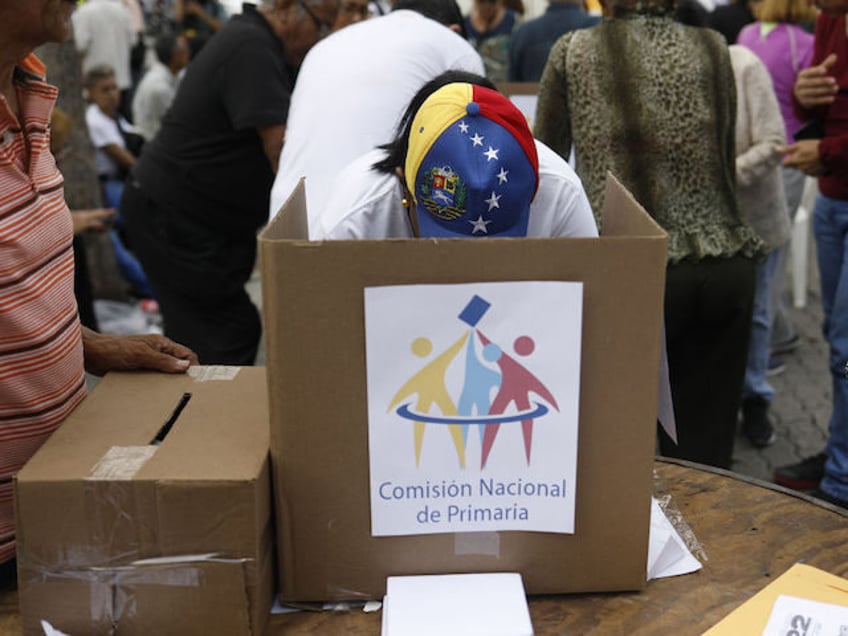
(384, 624)
(49, 630)
(665, 405)
(279, 608)
(456, 605)
(803, 617)
(340, 606)
(667, 553)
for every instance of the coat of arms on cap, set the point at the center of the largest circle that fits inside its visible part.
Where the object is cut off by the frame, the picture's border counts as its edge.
(443, 193)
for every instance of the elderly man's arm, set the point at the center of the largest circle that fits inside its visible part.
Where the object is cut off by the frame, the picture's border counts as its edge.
(104, 353)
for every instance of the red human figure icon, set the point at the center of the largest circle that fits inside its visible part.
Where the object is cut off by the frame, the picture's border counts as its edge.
(516, 385)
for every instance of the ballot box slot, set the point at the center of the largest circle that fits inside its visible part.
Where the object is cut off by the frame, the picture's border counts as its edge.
(169, 423)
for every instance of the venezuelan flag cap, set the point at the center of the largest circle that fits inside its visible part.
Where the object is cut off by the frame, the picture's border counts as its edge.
(471, 165)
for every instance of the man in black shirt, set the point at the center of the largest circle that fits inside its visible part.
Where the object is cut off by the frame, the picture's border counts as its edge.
(200, 191)
(532, 41)
(728, 19)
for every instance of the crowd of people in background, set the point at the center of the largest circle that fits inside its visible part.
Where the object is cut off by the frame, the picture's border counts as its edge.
(202, 123)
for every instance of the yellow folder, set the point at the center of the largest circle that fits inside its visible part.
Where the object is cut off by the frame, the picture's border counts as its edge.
(802, 581)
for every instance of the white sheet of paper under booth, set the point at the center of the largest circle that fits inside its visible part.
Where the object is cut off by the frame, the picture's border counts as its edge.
(457, 605)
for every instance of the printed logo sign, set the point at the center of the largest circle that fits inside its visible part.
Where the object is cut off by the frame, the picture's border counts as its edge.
(473, 402)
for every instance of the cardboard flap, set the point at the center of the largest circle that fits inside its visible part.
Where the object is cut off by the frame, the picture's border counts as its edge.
(291, 220)
(623, 216)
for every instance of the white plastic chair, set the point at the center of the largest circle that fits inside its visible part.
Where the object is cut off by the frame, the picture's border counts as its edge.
(798, 252)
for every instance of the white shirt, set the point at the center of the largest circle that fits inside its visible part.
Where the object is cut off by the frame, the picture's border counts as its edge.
(103, 131)
(153, 96)
(366, 204)
(136, 13)
(351, 91)
(104, 34)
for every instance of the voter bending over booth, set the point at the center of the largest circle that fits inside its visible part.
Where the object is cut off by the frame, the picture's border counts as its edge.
(463, 164)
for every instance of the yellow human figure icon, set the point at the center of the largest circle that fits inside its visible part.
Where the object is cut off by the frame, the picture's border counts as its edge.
(429, 384)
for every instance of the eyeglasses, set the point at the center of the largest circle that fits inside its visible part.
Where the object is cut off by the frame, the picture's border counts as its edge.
(323, 27)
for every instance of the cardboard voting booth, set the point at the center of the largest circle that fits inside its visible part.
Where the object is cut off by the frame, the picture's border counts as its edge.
(348, 458)
(149, 510)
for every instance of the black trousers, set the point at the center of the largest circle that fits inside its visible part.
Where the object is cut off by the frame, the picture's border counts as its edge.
(82, 286)
(708, 305)
(198, 275)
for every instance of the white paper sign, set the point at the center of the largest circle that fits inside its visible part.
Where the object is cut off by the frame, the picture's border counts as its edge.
(473, 394)
(793, 616)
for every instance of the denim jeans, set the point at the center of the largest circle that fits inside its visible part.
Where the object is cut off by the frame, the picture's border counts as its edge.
(759, 346)
(830, 225)
(782, 328)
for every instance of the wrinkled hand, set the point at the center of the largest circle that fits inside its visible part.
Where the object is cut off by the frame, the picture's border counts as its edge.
(815, 86)
(124, 353)
(803, 155)
(97, 220)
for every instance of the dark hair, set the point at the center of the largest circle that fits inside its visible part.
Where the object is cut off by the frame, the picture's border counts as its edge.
(164, 46)
(397, 148)
(97, 73)
(446, 12)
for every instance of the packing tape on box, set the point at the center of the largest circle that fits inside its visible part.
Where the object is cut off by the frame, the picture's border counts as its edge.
(112, 595)
(477, 543)
(213, 373)
(121, 463)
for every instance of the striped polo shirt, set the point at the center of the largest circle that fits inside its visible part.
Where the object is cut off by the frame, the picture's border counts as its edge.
(41, 356)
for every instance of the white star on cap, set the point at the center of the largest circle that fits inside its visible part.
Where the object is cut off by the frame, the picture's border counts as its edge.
(491, 153)
(477, 140)
(502, 176)
(480, 225)
(493, 201)
(463, 127)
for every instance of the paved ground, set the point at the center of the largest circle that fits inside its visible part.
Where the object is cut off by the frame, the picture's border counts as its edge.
(801, 407)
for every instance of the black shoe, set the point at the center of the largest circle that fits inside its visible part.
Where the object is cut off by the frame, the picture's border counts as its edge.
(805, 475)
(786, 346)
(756, 424)
(776, 366)
(818, 493)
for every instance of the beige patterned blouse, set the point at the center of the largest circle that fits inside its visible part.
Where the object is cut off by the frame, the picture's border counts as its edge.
(652, 101)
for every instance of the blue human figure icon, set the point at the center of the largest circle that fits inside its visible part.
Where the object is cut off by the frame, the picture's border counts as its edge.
(476, 396)
(516, 385)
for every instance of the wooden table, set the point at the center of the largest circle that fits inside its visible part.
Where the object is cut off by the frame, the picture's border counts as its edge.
(749, 532)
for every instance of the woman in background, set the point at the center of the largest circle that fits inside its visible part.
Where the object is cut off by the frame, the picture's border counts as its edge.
(653, 101)
(759, 129)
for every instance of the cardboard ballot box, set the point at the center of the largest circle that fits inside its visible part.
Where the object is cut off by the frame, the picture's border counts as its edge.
(118, 533)
(315, 324)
